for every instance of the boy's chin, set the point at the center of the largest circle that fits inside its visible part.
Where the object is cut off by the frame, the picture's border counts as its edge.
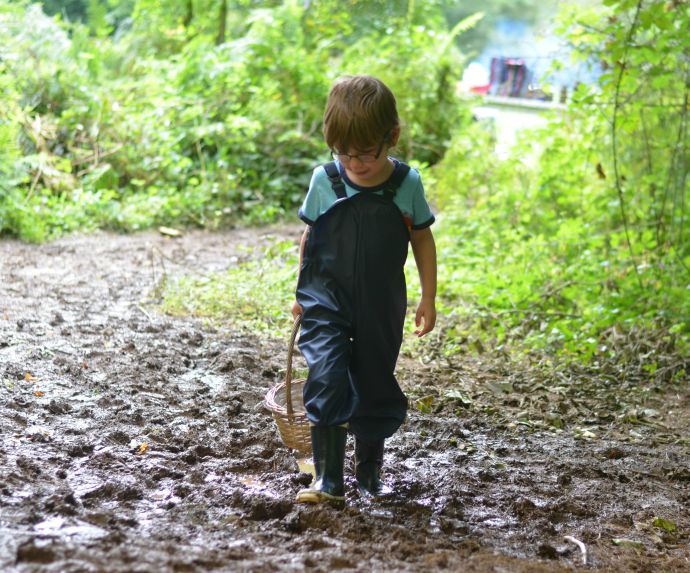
(362, 176)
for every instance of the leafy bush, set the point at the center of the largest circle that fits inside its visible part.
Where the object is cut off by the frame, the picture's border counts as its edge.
(587, 243)
(127, 123)
(149, 114)
(422, 66)
(254, 295)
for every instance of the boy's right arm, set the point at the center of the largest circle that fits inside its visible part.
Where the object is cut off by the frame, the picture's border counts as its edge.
(424, 249)
(296, 307)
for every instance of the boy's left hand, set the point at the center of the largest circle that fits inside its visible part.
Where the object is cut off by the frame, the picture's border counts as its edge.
(426, 313)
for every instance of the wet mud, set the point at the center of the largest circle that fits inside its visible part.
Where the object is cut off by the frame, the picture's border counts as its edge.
(134, 442)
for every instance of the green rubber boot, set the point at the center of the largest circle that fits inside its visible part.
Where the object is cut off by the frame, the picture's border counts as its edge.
(368, 462)
(328, 445)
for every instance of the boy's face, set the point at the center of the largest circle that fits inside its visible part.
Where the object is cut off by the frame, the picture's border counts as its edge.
(366, 167)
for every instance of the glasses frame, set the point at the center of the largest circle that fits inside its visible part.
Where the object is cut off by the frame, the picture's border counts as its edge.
(370, 158)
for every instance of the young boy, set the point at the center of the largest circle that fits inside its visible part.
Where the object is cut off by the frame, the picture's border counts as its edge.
(361, 210)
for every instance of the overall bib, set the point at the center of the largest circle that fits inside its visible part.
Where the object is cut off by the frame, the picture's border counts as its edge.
(353, 296)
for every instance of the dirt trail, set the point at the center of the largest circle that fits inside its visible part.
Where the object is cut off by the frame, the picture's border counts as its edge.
(136, 442)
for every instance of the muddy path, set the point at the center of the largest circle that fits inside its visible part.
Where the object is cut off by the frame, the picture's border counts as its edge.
(136, 442)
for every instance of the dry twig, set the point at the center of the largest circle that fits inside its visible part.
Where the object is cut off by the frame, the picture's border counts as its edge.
(582, 546)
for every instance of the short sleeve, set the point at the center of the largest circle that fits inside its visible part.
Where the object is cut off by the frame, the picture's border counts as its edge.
(422, 217)
(319, 197)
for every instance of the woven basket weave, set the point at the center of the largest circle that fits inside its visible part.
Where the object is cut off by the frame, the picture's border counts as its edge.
(285, 402)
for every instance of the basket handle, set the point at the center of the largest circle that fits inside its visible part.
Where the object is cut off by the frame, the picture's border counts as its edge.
(288, 374)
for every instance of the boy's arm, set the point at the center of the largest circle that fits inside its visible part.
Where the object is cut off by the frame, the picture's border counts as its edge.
(424, 249)
(296, 307)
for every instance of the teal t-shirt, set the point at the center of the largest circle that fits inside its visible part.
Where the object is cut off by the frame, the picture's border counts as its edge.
(409, 198)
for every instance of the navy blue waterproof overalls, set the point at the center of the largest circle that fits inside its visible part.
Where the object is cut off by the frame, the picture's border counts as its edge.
(352, 291)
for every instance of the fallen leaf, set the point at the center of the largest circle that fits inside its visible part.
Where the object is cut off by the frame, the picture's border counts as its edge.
(614, 453)
(136, 447)
(463, 398)
(500, 388)
(169, 232)
(424, 404)
(665, 524)
(39, 393)
(585, 434)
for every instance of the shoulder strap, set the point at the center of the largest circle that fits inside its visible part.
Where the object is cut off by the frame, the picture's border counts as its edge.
(392, 185)
(336, 181)
(396, 179)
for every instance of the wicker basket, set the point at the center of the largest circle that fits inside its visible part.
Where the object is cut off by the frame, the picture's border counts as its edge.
(286, 404)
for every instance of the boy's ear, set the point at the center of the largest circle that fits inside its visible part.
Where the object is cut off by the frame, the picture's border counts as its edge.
(394, 136)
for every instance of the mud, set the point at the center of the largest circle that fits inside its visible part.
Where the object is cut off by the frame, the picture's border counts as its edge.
(134, 442)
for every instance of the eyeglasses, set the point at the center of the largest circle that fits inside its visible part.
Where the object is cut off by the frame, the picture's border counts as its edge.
(363, 158)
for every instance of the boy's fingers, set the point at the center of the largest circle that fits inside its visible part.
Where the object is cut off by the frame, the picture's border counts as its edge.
(429, 324)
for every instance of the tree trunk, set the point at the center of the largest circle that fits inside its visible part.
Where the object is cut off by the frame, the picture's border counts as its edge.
(222, 17)
(189, 14)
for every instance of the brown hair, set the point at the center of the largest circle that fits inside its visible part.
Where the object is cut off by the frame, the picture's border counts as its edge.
(360, 113)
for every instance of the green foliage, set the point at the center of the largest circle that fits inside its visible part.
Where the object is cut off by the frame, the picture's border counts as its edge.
(9, 132)
(254, 295)
(588, 243)
(423, 80)
(128, 114)
(128, 123)
(67, 9)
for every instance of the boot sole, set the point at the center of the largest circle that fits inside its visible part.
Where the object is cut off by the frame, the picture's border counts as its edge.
(315, 496)
(382, 492)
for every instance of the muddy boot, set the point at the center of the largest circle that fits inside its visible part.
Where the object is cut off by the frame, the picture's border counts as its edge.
(328, 445)
(368, 462)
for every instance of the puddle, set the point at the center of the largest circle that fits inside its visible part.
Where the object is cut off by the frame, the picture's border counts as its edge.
(257, 486)
(59, 526)
(253, 482)
(306, 465)
(384, 513)
(195, 378)
(161, 494)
